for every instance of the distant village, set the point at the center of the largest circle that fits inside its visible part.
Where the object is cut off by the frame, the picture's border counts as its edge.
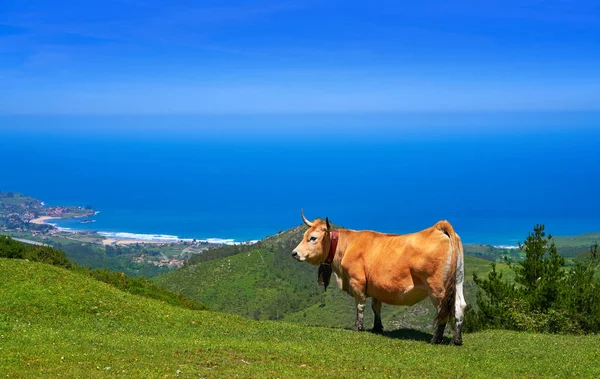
(17, 211)
(174, 262)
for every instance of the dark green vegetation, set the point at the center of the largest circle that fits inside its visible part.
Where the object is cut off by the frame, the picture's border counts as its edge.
(544, 297)
(259, 281)
(12, 249)
(262, 281)
(575, 248)
(117, 258)
(55, 321)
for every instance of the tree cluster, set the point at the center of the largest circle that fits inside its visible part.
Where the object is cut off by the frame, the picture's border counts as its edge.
(545, 296)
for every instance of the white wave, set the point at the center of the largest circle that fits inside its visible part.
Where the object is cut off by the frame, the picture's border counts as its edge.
(510, 247)
(67, 230)
(228, 241)
(63, 229)
(221, 241)
(170, 238)
(139, 236)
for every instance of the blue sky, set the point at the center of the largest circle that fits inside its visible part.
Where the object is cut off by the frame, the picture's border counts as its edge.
(298, 57)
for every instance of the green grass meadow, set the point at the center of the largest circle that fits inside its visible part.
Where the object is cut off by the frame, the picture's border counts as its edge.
(59, 323)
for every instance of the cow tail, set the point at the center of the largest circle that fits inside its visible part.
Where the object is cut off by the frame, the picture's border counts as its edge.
(455, 275)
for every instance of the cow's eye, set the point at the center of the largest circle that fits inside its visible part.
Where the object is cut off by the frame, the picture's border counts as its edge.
(312, 238)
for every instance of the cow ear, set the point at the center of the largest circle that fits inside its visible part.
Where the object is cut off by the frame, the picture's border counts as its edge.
(327, 223)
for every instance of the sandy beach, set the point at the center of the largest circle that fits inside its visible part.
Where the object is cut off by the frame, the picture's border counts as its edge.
(41, 220)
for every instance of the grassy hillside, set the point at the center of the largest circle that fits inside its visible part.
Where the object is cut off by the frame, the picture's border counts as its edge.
(10, 248)
(264, 282)
(11, 198)
(582, 240)
(55, 322)
(260, 281)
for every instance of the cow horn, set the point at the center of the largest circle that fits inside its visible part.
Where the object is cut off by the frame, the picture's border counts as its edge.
(308, 223)
(327, 223)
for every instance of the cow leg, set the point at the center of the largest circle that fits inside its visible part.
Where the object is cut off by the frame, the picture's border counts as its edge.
(440, 327)
(376, 306)
(459, 311)
(359, 324)
(358, 292)
(438, 336)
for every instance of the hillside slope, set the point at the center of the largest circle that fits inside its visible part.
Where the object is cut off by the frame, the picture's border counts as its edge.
(55, 322)
(264, 282)
(13, 249)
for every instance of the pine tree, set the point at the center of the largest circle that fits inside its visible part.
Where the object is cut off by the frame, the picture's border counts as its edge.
(539, 274)
(544, 296)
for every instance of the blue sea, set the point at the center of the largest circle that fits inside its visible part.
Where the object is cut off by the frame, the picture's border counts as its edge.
(244, 179)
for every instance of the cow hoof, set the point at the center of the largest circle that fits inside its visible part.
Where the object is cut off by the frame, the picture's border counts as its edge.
(457, 341)
(377, 330)
(436, 341)
(359, 328)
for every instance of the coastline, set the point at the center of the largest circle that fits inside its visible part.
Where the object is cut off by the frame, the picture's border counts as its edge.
(114, 238)
(126, 238)
(42, 220)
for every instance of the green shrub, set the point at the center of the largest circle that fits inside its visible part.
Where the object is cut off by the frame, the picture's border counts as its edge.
(545, 296)
(9, 248)
(580, 292)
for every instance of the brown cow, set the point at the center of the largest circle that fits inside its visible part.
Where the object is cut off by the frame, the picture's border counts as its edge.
(392, 269)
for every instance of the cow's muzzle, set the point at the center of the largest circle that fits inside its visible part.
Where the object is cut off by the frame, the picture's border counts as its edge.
(297, 256)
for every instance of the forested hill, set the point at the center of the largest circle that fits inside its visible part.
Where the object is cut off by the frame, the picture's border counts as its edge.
(262, 281)
(288, 239)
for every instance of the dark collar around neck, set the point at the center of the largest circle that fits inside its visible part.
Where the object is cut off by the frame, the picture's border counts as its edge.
(335, 235)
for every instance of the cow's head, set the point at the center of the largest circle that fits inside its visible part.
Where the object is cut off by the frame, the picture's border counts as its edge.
(314, 246)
